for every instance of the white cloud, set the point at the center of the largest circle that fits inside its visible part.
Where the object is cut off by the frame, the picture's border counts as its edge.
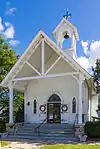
(7, 29)
(1, 25)
(83, 61)
(9, 32)
(7, 24)
(93, 51)
(85, 45)
(14, 42)
(10, 10)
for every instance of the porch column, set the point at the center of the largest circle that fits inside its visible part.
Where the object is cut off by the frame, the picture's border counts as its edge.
(80, 100)
(11, 104)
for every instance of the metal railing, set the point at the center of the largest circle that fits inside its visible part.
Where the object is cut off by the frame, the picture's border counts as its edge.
(76, 120)
(38, 127)
(94, 118)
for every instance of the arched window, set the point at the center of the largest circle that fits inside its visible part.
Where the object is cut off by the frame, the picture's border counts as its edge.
(74, 105)
(35, 106)
(54, 98)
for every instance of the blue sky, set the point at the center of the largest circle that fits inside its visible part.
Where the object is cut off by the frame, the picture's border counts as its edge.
(26, 17)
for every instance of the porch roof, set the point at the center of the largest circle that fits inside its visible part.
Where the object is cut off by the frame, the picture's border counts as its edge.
(34, 44)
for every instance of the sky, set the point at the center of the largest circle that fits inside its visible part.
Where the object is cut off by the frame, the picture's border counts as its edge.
(20, 21)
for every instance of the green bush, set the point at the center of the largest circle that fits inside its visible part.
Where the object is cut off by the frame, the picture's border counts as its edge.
(2, 126)
(92, 129)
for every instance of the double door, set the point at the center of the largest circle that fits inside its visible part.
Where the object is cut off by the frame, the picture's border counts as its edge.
(53, 113)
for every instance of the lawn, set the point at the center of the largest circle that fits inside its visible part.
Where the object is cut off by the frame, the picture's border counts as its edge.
(63, 146)
(4, 143)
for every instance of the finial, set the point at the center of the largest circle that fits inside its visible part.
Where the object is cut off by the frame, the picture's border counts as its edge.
(68, 14)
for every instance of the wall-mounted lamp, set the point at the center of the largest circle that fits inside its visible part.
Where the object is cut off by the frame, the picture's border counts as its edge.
(28, 104)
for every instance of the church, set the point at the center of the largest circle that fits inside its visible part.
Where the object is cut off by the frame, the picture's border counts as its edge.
(56, 88)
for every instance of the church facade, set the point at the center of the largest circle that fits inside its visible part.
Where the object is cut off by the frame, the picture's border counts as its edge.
(56, 88)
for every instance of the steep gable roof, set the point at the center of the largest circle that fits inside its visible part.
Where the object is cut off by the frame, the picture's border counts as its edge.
(34, 44)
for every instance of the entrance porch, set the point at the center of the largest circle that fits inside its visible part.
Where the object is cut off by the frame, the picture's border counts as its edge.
(46, 71)
(54, 100)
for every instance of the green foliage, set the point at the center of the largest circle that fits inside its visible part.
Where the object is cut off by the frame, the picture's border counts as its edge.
(4, 143)
(2, 126)
(92, 129)
(96, 75)
(8, 58)
(71, 146)
(98, 107)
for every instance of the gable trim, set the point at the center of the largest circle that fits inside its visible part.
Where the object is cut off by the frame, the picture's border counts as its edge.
(19, 64)
(45, 76)
(33, 68)
(65, 56)
(33, 45)
(56, 61)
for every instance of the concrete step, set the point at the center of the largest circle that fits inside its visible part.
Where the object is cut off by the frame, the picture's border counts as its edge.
(44, 130)
(46, 138)
(56, 134)
(48, 125)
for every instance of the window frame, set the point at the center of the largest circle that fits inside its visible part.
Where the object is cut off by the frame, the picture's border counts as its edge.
(74, 105)
(35, 106)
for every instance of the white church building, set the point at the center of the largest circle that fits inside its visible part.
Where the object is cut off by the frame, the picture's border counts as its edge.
(56, 88)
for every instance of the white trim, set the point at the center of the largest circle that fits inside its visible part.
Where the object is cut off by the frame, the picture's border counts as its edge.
(11, 121)
(80, 99)
(45, 76)
(23, 58)
(63, 56)
(19, 62)
(75, 78)
(14, 83)
(53, 64)
(33, 68)
(70, 24)
(42, 57)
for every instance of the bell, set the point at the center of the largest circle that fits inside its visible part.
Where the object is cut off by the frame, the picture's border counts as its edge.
(66, 36)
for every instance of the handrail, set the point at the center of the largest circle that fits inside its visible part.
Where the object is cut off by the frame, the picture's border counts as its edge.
(37, 128)
(11, 128)
(95, 118)
(14, 128)
(76, 118)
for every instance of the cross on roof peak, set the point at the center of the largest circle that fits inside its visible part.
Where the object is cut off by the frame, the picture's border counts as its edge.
(68, 14)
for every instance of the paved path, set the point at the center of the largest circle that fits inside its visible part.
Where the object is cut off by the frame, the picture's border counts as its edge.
(22, 145)
(36, 144)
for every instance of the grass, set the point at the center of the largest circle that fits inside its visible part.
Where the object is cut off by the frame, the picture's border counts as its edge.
(68, 146)
(4, 143)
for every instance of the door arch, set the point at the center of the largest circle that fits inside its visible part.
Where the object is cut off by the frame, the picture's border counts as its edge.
(54, 109)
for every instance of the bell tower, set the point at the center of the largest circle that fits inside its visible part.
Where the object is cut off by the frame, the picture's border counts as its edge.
(63, 32)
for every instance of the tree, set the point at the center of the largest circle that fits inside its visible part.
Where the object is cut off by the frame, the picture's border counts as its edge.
(8, 58)
(96, 75)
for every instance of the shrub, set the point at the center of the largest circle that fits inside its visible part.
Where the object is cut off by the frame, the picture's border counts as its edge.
(2, 126)
(92, 129)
